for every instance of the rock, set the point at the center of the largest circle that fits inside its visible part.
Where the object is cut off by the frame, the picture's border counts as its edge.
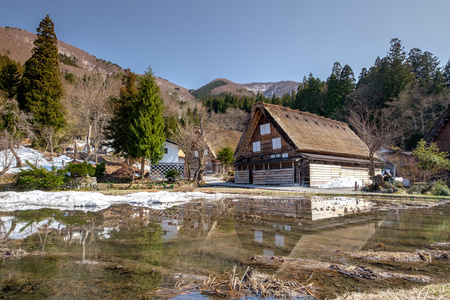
(82, 184)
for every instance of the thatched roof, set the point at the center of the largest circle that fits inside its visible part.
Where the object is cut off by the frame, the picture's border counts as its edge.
(307, 132)
(219, 139)
(438, 125)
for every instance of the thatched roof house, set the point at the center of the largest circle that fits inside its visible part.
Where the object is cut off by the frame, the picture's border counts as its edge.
(212, 141)
(217, 139)
(286, 146)
(439, 133)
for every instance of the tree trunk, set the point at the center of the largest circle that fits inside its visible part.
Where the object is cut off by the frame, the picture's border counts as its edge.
(75, 149)
(96, 151)
(88, 140)
(142, 168)
(132, 170)
(188, 170)
(17, 157)
(372, 164)
(51, 146)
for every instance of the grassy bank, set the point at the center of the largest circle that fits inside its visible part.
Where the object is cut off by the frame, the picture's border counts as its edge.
(429, 292)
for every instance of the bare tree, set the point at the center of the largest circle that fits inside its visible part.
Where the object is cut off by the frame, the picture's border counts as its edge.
(92, 108)
(5, 157)
(15, 126)
(185, 139)
(416, 110)
(373, 128)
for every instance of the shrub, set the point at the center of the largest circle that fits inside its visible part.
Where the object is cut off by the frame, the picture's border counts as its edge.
(39, 179)
(439, 188)
(100, 169)
(173, 175)
(80, 169)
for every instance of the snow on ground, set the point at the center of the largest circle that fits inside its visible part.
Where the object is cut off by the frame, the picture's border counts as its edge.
(35, 157)
(85, 201)
(94, 201)
(341, 183)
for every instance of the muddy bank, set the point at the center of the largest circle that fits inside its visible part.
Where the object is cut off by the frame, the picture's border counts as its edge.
(426, 256)
(359, 271)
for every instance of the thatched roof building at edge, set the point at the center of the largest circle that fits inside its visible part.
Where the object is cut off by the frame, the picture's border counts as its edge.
(298, 147)
(439, 133)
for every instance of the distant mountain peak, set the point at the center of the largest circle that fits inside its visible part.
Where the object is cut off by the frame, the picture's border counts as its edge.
(269, 88)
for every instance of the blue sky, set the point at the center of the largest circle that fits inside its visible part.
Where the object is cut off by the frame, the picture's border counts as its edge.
(191, 42)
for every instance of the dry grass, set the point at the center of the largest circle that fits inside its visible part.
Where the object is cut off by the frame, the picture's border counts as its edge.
(429, 292)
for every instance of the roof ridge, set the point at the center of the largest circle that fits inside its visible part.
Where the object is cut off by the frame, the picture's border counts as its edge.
(301, 112)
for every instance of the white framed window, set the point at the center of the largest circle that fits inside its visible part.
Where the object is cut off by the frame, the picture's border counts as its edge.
(285, 155)
(205, 152)
(276, 143)
(257, 146)
(264, 129)
(196, 153)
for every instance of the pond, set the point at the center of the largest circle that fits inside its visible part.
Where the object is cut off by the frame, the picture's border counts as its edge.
(130, 252)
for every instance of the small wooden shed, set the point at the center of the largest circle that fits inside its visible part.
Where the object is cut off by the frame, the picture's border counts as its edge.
(285, 146)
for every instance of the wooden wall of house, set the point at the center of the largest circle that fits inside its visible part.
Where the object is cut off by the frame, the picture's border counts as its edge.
(280, 176)
(266, 141)
(443, 139)
(321, 174)
(242, 176)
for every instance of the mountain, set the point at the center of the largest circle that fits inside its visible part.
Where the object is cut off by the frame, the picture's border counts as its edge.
(221, 85)
(269, 88)
(18, 43)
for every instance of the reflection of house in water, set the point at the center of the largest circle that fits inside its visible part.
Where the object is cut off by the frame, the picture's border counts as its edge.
(290, 227)
(311, 208)
(319, 208)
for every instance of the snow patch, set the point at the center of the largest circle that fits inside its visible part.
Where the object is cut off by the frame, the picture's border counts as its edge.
(341, 183)
(95, 201)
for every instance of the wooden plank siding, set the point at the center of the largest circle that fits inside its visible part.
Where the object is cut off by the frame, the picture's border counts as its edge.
(242, 176)
(321, 174)
(279, 176)
(266, 141)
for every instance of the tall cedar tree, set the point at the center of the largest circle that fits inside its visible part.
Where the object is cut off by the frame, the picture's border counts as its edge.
(118, 128)
(40, 90)
(10, 73)
(146, 137)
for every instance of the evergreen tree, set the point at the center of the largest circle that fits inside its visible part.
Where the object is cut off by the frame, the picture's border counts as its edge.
(340, 84)
(395, 71)
(118, 128)
(310, 96)
(40, 90)
(146, 137)
(225, 156)
(10, 73)
(446, 73)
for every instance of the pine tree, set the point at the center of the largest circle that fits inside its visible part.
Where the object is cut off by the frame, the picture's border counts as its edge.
(118, 128)
(40, 90)
(146, 137)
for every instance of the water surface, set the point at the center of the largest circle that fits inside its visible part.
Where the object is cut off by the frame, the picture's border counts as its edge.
(130, 252)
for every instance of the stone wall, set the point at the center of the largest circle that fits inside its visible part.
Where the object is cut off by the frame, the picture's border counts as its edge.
(82, 184)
